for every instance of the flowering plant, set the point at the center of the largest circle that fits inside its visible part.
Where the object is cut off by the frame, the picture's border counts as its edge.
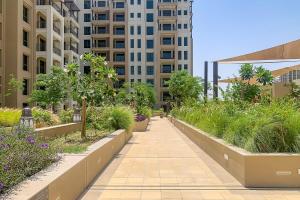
(140, 118)
(22, 154)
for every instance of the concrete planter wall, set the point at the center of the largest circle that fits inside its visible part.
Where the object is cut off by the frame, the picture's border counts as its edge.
(251, 170)
(74, 173)
(141, 126)
(57, 131)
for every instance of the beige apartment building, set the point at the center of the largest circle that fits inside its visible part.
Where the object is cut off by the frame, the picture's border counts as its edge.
(144, 40)
(34, 36)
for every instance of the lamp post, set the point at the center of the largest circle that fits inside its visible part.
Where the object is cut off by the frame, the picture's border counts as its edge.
(76, 115)
(26, 119)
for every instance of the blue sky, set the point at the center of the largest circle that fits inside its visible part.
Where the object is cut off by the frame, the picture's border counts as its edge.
(226, 28)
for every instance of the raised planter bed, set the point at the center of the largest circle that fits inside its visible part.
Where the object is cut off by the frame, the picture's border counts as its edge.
(141, 126)
(250, 169)
(74, 173)
(57, 131)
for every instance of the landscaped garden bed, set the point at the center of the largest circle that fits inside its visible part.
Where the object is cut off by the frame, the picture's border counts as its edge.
(141, 123)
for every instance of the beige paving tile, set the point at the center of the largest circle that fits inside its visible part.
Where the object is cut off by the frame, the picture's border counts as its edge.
(162, 163)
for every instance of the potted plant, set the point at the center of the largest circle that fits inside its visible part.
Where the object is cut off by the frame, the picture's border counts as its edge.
(141, 123)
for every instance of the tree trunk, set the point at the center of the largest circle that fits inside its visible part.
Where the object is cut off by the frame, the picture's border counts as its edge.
(83, 118)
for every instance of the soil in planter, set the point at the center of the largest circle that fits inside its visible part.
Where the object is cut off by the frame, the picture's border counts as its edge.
(73, 143)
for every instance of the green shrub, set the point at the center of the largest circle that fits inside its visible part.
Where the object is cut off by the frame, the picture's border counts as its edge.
(9, 117)
(120, 118)
(147, 112)
(44, 118)
(66, 116)
(22, 154)
(110, 118)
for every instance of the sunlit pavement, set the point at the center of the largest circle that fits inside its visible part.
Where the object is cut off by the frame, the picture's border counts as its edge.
(162, 163)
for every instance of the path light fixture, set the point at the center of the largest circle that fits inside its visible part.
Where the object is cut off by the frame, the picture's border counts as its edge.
(26, 119)
(76, 115)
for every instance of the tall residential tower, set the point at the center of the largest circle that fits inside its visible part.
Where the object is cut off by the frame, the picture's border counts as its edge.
(144, 40)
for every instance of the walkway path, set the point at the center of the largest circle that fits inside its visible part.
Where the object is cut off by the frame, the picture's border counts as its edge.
(162, 163)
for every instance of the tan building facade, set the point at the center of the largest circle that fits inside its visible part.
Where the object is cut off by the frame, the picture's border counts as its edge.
(17, 50)
(34, 36)
(145, 41)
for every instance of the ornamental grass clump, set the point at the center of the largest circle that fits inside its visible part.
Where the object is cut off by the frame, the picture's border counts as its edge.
(262, 127)
(22, 155)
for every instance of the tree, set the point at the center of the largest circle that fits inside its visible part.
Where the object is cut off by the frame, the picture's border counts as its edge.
(246, 90)
(138, 95)
(97, 86)
(183, 86)
(51, 89)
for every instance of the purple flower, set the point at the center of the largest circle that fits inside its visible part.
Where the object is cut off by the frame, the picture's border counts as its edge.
(4, 146)
(140, 118)
(44, 146)
(30, 140)
(6, 168)
(1, 186)
(1, 138)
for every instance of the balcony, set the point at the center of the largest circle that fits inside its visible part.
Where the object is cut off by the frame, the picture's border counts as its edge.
(57, 51)
(74, 32)
(167, 4)
(41, 24)
(71, 48)
(119, 31)
(49, 2)
(41, 47)
(119, 44)
(56, 29)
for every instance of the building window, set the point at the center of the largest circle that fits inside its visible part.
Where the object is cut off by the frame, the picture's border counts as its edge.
(120, 70)
(185, 66)
(150, 82)
(150, 70)
(179, 26)
(25, 38)
(25, 14)
(150, 17)
(132, 70)
(185, 12)
(87, 4)
(179, 41)
(139, 43)
(179, 67)
(132, 2)
(149, 4)
(25, 87)
(87, 43)
(101, 4)
(179, 55)
(185, 55)
(25, 62)
(87, 17)
(185, 41)
(131, 43)
(185, 26)
(139, 70)
(150, 57)
(42, 67)
(139, 55)
(139, 30)
(119, 5)
(131, 15)
(150, 44)
(87, 30)
(150, 30)
(132, 57)
(139, 2)
(131, 30)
